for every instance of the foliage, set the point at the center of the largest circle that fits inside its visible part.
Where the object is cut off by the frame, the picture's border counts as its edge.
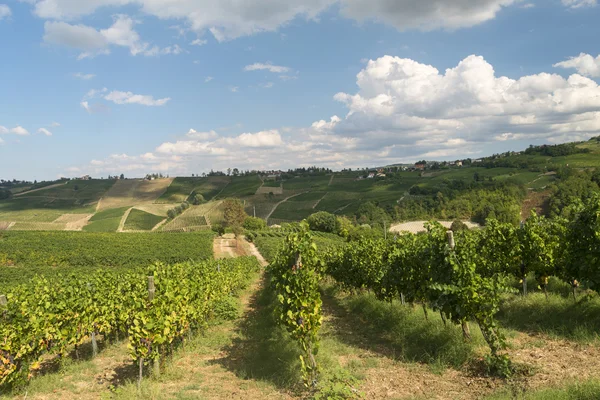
(322, 222)
(296, 272)
(254, 224)
(49, 315)
(233, 214)
(82, 249)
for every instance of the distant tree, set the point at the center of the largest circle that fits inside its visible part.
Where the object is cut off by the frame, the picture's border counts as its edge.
(228, 171)
(234, 213)
(236, 172)
(122, 176)
(76, 187)
(218, 228)
(5, 194)
(171, 213)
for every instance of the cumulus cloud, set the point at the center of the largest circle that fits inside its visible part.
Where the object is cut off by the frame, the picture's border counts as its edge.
(19, 130)
(55, 124)
(227, 20)
(93, 42)
(404, 110)
(4, 11)
(44, 131)
(268, 67)
(584, 63)
(199, 42)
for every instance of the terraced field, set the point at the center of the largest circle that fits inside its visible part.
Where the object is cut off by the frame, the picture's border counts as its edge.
(133, 192)
(181, 188)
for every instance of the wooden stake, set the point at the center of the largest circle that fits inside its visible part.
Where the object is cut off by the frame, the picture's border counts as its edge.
(3, 301)
(451, 243)
(151, 288)
(94, 345)
(141, 371)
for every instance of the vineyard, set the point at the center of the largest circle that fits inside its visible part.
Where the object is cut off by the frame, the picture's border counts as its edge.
(464, 276)
(23, 254)
(155, 307)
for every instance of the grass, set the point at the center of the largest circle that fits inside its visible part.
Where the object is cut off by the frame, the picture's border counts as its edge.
(297, 210)
(400, 332)
(139, 220)
(586, 390)
(559, 316)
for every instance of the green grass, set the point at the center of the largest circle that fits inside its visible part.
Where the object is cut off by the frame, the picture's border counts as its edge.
(139, 220)
(310, 196)
(586, 390)
(181, 187)
(559, 316)
(400, 332)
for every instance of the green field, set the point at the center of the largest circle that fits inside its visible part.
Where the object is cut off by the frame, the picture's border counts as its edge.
(106, 221)
(241, 186)
(181, 188)
(139, 220)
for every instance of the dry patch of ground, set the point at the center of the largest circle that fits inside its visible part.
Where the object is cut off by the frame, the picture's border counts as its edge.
(74, 222)
(419, 226)
(6, 225)
(537, 201)
(37, 190)
(227, 246)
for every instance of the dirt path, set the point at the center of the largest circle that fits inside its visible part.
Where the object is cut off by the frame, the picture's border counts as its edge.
(318, 201)
(331, 180)
(227, 246)
(282, 201)
(161, 223)
(123, 219)
(37, 190)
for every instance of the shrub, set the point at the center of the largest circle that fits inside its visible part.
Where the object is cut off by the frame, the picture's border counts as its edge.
(254, 224)
(322, 222)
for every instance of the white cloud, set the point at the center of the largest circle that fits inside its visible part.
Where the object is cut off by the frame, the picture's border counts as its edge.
(263, 139)
(44, 131)
(234, 89)
(86, 106)
(579, 3)
(4, 11)
(208, 79)
(119, 97)
(267, 85)
(77, 36)
(424, 15)
(202, 136)
(55, 125)
(403, 111)
(585, 64)
(227, 20)
(277, 69)
(3, 130)
(93, 42)
(199, 42)
(19, 130)
(85, 77)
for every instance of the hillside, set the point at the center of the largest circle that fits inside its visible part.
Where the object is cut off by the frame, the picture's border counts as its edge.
(506, 185)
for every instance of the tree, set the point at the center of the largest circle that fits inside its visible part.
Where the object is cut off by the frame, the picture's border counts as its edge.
(254, 224)
(122, 176)
(234, 213)
(458, 226)
(322, 222)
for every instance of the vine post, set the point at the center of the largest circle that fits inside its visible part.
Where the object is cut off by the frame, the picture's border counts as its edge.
(151, 296)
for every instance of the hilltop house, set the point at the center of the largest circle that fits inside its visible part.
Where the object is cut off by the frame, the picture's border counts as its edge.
(420, 166)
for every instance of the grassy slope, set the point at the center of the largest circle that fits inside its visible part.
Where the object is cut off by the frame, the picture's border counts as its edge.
(106, 221)
(141, 220)
(181, 187)
(49, 204)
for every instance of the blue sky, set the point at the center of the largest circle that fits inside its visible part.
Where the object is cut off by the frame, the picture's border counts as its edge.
(138, 86)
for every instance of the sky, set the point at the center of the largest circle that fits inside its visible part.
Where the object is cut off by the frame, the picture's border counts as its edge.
(105, 87)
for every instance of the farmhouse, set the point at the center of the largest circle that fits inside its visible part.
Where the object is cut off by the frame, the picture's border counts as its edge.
(420, 166)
